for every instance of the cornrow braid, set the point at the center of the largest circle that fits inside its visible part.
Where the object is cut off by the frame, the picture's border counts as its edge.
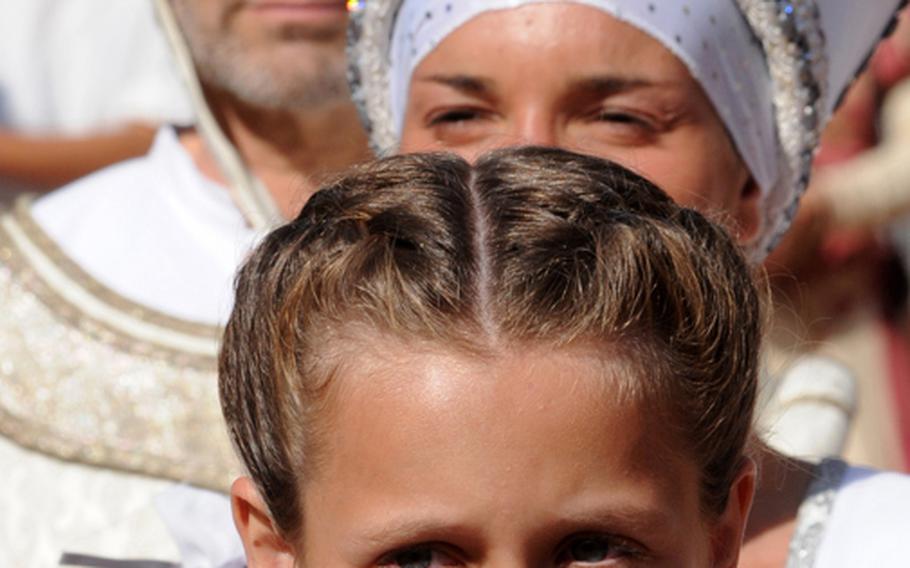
(530, 245)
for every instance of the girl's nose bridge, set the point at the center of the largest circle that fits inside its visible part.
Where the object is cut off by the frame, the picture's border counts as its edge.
(511, 561)
(518, 550)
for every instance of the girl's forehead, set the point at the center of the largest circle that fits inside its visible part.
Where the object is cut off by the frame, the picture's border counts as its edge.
(548, 430)
(525, 403)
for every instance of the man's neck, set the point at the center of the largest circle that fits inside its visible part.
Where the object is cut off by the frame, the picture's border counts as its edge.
(290, 151)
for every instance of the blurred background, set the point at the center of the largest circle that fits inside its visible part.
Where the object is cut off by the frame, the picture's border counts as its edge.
(839, 277)
(83, 84)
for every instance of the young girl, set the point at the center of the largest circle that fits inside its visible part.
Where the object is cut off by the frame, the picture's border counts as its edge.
(538, 360)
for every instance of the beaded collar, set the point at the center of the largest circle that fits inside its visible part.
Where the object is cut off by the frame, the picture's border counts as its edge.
(816, 509)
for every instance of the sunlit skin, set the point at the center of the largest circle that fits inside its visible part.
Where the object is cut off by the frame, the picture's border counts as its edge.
(290, 37)
(273, 74)
(527, 459)
(572, 76)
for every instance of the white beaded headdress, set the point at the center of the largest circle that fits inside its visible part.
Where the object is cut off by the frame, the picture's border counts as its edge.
(774, 94)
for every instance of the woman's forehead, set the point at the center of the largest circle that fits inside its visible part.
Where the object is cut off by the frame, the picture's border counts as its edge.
(570, 40)
(708, 45)
(558, 25)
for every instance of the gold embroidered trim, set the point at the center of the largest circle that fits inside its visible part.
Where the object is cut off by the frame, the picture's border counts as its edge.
(79, 398)
(184, 342)
(83, 388)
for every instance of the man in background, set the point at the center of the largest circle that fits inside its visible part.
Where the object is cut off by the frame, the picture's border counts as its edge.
(117, 286)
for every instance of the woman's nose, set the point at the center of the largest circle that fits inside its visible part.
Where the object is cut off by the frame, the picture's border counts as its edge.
(537, 128)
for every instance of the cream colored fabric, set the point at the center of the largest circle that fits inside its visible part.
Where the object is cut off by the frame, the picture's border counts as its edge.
(811, 409)
(49, 506)
(154, 230)
(108, 390)
(859, 345)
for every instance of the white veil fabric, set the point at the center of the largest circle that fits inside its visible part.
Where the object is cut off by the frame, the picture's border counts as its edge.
(774, 70)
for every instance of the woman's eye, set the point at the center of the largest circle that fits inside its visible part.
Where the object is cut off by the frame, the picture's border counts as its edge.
(621, 127)
(417, 557)
(461, 127)
(454, 116)
(623, 118)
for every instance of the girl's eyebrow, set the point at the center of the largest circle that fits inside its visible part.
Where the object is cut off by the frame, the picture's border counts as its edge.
(626, 518)
(408, 529)
(414, 529)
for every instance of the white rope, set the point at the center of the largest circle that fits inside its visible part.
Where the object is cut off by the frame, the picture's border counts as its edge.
(248, 193)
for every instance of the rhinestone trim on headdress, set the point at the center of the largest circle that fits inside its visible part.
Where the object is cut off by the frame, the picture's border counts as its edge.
(793, 38)
(791, 34)
(368, 71)
(812, 519)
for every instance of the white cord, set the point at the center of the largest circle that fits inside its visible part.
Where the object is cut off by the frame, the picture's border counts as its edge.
(248, 193)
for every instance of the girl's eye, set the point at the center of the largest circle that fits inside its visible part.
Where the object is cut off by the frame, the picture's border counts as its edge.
(417, 557)
(595, 551)
(590, 550)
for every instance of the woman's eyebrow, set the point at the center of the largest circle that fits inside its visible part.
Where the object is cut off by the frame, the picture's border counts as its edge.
(468, 84)
(605, 85)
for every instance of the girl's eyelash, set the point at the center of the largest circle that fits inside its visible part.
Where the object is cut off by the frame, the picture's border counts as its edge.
(624, 547)
(413, 553)
(617, 547)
